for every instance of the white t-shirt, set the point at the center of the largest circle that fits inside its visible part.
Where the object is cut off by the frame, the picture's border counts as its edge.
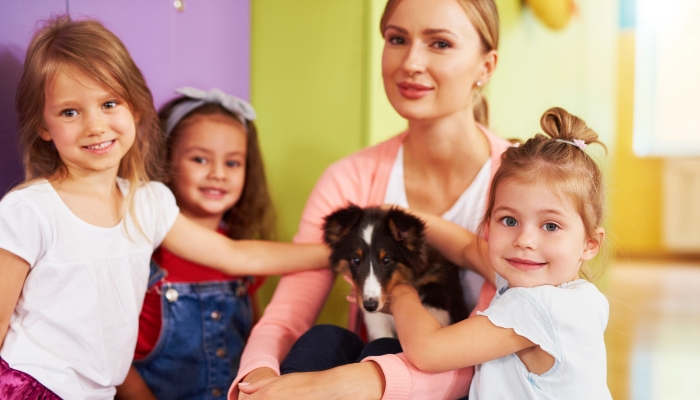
(74, 327)
(566, 321)
(467, 212)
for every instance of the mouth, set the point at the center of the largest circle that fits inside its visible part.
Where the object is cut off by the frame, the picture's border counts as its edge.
(212, 192)
(525, 264)
(413, 90)
(99, 146)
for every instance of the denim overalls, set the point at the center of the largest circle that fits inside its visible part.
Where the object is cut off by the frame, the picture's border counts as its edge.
(204, 328)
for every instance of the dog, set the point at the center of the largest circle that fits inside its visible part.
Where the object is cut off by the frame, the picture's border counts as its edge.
(380, 248)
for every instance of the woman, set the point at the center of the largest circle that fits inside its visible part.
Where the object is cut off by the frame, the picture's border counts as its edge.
(438, 55)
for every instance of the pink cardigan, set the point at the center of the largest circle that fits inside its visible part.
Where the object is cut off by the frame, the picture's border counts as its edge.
(361, 179)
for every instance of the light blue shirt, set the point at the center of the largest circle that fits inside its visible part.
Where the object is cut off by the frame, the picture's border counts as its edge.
(566, 321)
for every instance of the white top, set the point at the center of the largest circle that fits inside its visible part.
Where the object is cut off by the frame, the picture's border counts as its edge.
(566, 321)
(75, 325)
(467, 212)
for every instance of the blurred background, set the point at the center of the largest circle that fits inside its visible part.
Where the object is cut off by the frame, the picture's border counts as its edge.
(311, 68)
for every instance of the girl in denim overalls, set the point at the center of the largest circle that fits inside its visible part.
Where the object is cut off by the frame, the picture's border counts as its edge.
(195, 320)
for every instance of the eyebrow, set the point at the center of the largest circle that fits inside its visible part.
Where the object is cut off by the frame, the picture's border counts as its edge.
(205, 150)
(427, 31)
(545, 211)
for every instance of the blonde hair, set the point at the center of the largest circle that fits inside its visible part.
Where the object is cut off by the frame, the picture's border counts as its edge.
(554, 159)
(483, 15)
(88, 47)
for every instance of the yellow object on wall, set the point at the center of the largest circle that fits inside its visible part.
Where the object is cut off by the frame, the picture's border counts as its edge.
(554, 14)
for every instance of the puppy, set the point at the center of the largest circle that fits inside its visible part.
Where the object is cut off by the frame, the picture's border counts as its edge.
(381, 248)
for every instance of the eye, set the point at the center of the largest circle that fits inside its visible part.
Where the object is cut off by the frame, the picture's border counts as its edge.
(396, 40)
(199, 160)
(386, 261)
(355, 261)
(69, 113)
(233, 163)
(441, 44)
(550, 227)
(509, 221)
(109, 104)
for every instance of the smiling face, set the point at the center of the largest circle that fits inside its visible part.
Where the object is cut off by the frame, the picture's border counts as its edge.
(91, 127)
(536, 237)
(208, 165)
(433, 57)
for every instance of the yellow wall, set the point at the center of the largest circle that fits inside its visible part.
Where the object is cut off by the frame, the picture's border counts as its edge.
(306, 87)
(635, 184)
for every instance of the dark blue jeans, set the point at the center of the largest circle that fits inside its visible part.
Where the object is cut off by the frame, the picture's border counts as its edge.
(201, 340)
(328, 346)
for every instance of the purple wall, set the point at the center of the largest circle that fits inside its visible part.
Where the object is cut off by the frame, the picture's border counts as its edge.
(206, 45)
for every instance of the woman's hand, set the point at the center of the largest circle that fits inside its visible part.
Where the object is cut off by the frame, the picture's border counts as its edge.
(349, 382)
(257, 375)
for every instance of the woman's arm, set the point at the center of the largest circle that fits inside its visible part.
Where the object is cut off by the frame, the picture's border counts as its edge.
(134, 387)
(195, 243)
(13, 272)
(457, 244)
(432, 348)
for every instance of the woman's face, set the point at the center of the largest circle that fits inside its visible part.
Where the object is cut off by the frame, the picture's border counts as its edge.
(432, 59)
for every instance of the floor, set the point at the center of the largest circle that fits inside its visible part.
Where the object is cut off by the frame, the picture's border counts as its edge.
(653, 336)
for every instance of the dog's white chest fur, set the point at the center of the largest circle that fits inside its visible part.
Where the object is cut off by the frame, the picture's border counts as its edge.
(380, 325)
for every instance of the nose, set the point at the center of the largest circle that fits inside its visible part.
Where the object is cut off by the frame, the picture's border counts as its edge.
(217, 170)
(370, 304)
(414, 63)
(95, 123)
(525, 239)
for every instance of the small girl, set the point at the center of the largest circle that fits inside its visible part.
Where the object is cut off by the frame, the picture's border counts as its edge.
(217, 177)
(542, 336)
(76, 239)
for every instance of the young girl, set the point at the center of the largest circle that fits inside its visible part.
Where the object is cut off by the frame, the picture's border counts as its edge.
(542, 336)
(217, 176)
(76, 239)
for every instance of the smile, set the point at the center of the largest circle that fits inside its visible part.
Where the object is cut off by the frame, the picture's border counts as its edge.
(525, 264)
(413, 90)
(100, 146)
(213, 192)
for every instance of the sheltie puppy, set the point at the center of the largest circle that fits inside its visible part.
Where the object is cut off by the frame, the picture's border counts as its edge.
(381, 248)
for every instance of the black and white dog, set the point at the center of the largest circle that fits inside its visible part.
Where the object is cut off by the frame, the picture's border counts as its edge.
(380, 248)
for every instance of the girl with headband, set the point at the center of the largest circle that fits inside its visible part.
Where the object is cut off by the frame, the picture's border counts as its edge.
(195, 319)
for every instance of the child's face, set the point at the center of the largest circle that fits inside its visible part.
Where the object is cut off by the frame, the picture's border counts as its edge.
(535, 237)
(91, 127)
(432, 58)
(208, 165)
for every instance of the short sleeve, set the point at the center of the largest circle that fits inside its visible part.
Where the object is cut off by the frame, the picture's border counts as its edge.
(22, 231)
(161, 210)
(519, 310)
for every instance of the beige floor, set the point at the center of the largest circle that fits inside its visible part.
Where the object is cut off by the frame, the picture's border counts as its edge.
(653, 336)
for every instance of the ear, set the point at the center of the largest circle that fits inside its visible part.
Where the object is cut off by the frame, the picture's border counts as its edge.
(340, 222)
(490, 60)
(406, 228)
(593, 244)
(45, 134)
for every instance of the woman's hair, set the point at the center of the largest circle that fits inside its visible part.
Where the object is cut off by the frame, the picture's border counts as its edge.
(85, 46)
(253, 216)
(557, 160)
(484, 16)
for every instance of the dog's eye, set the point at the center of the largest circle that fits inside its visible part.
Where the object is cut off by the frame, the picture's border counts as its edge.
(355, 261)
(386, 261)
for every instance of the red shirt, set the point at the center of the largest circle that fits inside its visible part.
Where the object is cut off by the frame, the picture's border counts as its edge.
(179, 271)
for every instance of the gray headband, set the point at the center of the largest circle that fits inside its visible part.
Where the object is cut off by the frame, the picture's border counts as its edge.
(196, 98)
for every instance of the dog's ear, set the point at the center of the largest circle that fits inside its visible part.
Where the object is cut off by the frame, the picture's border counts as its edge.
(340, 222)
(406, 228)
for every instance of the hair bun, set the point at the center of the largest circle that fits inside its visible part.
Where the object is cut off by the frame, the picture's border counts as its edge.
(557, 123)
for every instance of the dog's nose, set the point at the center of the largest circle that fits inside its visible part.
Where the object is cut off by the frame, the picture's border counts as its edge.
(370, 304)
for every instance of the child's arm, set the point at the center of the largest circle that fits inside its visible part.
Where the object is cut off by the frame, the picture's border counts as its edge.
(432, 348)
(195, 243)
(134, 387)
(457, 244)
(13, 272)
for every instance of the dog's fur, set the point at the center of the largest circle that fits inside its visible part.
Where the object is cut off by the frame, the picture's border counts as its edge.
(381, 248)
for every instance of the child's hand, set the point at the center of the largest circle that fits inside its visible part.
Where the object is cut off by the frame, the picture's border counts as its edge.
(352, 297)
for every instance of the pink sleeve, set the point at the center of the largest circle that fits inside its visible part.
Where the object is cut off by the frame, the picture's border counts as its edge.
(299, 296)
